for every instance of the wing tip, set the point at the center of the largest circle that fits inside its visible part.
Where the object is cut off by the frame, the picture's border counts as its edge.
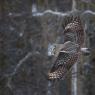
(52, 75)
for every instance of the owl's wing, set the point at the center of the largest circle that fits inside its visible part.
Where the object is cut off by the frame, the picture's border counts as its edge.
(58, 67)
(74, 32)
(62, 64)
(60, 61)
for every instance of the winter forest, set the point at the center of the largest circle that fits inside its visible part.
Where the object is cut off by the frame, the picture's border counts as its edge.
(33, 42)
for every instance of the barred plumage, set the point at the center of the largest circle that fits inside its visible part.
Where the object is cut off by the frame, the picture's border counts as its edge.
(61, 66)
(74, 32)
(69, 52)
(66, 58)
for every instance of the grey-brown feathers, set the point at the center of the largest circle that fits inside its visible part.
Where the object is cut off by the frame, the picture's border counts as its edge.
(68, 53)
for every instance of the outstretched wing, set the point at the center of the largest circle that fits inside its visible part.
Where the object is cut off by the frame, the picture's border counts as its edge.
(74, 32)
(60, 61)
(62, 64)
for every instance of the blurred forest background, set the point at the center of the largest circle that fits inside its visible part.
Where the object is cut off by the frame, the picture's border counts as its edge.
(27, 29)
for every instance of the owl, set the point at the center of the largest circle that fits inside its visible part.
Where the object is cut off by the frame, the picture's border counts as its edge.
(68, 53)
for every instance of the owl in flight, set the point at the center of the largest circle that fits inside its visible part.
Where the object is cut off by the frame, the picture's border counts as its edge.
(68, 53)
